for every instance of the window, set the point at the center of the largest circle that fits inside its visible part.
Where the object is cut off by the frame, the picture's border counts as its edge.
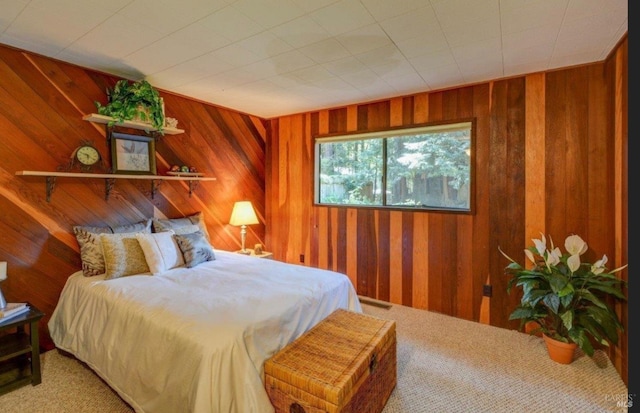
(419, 168)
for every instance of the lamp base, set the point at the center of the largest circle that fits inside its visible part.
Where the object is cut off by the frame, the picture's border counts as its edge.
(3, 302)
(245, 252)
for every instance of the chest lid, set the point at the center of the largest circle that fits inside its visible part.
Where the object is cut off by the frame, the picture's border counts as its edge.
(333, 358)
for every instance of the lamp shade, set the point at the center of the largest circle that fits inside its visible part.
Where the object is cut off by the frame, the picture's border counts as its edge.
(3, 270)
(243, 214)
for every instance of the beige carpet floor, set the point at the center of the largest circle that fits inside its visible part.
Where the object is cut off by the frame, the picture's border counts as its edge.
(445, 364)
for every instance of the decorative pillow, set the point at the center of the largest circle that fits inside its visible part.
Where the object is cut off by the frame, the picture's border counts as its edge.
(161, 251)
(160, 225)
(195, 248)
(91, 249)
(187, 229)
(123, 255)
(142, 226)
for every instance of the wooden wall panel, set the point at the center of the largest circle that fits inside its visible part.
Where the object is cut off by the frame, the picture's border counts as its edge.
(547, 156)
(550, 155)
(42, 102)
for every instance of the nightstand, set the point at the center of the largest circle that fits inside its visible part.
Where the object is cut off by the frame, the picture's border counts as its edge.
(265, 254)
(20, 351)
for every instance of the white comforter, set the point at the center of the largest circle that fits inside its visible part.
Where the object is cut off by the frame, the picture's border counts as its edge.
(195, 340)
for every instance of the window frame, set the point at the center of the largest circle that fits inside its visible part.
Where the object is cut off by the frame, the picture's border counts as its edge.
(389, 133)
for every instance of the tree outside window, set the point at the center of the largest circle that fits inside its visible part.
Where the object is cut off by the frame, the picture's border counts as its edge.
(427, 168)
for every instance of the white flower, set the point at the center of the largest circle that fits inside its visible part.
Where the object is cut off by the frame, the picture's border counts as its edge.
(541, 244)
(553, 256)
(575, 245)
(529, 255)
(598, 266)
(573, 262)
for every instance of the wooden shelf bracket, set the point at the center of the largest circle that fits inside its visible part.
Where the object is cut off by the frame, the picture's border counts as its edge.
(110, 180)
(51, 184)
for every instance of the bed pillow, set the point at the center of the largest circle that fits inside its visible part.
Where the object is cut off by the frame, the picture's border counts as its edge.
(161, 251)
(142, 226)
(195, 248)
(88, 238)
(160, 225)
(123, 255)
(91, 248)
(187, 229)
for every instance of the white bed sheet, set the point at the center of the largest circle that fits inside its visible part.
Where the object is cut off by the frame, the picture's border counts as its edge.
(195, 340)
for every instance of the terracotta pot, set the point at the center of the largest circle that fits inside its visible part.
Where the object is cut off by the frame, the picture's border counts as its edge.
(560, 351)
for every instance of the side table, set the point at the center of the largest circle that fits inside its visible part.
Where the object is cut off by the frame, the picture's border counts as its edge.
(20, 351)
(252, 253)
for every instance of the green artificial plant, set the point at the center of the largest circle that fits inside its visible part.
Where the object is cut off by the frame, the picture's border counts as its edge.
(134, 101)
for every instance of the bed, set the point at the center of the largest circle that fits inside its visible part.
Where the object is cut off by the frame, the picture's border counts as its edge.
(194, 339)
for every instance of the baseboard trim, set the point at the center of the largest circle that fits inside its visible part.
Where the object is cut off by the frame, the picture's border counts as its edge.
(372, 301)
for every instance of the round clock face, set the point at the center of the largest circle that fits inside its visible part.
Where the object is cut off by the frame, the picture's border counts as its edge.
(87, 155)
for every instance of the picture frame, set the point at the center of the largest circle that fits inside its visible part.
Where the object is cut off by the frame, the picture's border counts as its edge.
(132, 154)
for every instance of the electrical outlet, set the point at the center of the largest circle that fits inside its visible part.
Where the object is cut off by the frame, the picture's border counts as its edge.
(487, 290)
(302, 258)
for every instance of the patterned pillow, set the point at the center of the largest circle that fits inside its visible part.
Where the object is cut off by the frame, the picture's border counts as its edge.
(123, 255)
(161, 251)
(91, 249)
(195, 248)
(142, 226)
(161, 225)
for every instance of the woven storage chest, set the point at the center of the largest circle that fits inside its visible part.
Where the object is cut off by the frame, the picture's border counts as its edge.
(345, 364)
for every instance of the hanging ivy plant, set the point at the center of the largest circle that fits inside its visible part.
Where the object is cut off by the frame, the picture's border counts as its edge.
(134, 101)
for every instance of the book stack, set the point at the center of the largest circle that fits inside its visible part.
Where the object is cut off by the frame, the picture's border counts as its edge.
(12, 310)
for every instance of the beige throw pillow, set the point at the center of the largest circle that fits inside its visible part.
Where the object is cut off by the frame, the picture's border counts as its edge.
(123, 255)
(88, 238)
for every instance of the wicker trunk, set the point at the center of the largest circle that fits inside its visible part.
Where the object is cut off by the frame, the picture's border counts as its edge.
(345, 364)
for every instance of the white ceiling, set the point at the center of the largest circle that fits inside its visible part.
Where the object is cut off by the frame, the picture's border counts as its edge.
(276, 57)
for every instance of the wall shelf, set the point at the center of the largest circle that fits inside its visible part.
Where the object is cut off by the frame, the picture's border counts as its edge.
(94, 117)
(110, 179)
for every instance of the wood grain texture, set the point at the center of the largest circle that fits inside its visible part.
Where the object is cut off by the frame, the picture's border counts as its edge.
(547, 157)
(549, 152)
(42, 102)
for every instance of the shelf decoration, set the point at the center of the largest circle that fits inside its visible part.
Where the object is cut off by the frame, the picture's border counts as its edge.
(97, 118)
(132, 154)
(135, 101)
(110, 179)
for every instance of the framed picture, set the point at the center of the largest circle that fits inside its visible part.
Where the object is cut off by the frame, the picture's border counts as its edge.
(132, 154)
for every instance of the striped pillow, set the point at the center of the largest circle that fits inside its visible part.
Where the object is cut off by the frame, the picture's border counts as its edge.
(123, 255)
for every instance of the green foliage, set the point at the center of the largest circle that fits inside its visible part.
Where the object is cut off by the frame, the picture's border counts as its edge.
(570, 300)
(418, 168)
(137, 100)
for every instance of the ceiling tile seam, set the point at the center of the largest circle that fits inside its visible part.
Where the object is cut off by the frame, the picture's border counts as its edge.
(184, 27)
(264, 30)
(89, 31)
(555, 43)
(16, 16)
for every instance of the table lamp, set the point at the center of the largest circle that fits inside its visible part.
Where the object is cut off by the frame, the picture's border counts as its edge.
(3, 276)
(242, 215)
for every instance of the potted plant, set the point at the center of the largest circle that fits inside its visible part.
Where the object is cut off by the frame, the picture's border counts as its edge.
(570, 300)
(134, 101)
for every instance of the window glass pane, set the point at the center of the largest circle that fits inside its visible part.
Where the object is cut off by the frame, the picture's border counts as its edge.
(426, 167)
(429, 170)
(351, 172)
